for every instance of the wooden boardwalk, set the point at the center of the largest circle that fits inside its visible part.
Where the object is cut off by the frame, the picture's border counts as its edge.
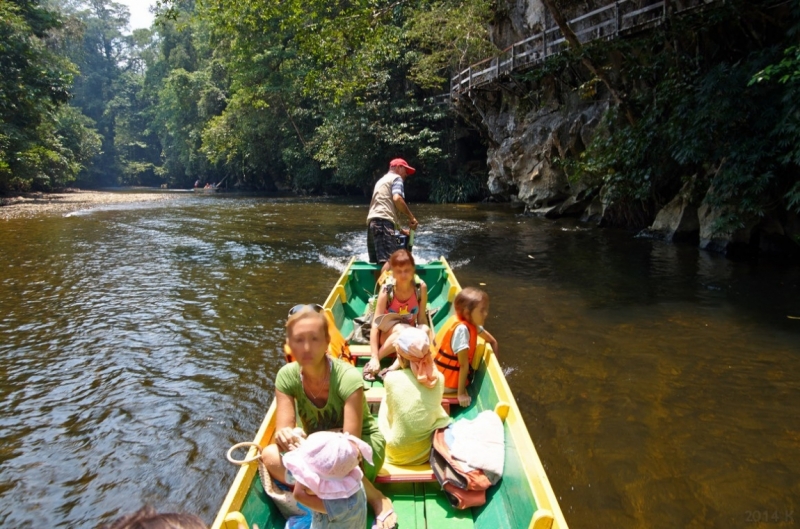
(607, 22)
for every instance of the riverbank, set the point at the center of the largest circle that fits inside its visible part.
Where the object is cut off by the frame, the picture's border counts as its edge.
(33, 204)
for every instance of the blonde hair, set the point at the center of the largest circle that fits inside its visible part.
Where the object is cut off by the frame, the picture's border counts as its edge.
(148, 518)
(467, 300)
(306, 313)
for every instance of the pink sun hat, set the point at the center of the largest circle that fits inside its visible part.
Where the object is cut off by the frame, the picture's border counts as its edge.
(327, 464)
(413, 344)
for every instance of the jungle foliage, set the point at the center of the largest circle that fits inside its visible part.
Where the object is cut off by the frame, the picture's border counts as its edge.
(312, 96)
(716, 101)
(43, 143)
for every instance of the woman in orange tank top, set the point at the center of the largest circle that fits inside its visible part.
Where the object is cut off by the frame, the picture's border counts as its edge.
(401, 299)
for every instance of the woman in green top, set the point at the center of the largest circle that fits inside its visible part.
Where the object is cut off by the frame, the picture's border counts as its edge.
(325, 394)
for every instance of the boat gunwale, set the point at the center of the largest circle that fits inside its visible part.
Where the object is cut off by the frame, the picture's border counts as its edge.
(542, 490)
(234, 499)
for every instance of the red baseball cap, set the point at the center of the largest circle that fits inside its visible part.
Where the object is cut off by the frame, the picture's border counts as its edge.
(399, 162)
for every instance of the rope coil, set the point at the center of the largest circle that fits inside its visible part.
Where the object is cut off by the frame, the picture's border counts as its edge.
(246, 460)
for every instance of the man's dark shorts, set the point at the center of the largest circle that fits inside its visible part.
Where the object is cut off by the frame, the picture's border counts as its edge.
(381, 242)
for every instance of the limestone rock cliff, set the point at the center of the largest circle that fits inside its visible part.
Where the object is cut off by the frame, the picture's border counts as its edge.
(532, 127)
(528, 137)
(528, 141)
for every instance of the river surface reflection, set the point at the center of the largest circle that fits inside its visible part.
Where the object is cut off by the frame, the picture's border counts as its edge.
(660, 383)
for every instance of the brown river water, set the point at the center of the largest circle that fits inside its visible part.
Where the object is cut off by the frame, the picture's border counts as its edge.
(660, 383)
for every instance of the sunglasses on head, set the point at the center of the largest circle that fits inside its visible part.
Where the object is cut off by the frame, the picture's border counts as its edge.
(297, 308)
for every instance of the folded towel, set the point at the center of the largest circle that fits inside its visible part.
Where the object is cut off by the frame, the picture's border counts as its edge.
(408, 416)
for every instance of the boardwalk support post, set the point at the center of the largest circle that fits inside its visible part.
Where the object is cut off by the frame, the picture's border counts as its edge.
(544, 39)
(513, 65)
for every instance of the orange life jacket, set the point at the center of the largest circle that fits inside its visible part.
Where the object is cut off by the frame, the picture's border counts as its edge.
(446, 360)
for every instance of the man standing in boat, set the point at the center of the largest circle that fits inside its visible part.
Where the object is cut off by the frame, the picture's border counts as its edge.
(388, 201)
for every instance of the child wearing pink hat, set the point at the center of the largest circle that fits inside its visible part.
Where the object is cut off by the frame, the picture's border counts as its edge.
(328, 479)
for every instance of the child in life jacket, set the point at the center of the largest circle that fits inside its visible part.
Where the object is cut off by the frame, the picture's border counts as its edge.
(457, 350)
(328, 479)
(402, 303)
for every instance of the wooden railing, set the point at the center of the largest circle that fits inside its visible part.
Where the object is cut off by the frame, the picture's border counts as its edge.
(605, 22)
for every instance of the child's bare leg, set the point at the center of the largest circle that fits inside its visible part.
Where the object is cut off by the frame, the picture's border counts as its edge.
(271, 457)
(389, 346)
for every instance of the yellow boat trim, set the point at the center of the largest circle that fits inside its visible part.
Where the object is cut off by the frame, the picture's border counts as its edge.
(338, 289)
(543, 493)
(241, 484)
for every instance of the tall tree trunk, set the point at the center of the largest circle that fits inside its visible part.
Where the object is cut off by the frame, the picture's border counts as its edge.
(573, 41)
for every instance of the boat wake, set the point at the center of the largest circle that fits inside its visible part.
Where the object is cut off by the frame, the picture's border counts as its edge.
(437, 238)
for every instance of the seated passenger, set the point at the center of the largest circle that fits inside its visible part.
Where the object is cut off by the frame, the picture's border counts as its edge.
(412, 408)
(402, 298)
(324, 394)
(454, 358)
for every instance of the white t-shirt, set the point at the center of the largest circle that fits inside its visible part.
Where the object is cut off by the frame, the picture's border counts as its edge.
(460, 339)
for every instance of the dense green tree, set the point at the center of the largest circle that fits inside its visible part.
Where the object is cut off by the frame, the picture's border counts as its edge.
(189, 89)
(328, 86)
(102, 55)
(447, 36)
(36, 134)
(181, 121)
(311, 96)
(784, 74)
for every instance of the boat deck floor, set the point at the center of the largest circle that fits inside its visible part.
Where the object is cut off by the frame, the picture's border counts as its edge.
(424, 505)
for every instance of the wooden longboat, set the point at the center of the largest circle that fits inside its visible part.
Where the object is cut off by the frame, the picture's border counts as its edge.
(523, 499)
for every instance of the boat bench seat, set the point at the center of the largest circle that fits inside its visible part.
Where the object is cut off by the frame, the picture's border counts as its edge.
(390, 473)
(375, 395)
(359, 350)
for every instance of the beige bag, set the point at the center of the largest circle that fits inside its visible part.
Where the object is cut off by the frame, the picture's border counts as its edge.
(385, 322)
(283, 499)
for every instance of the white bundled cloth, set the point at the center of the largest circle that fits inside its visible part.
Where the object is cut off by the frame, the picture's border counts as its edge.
(480, 443)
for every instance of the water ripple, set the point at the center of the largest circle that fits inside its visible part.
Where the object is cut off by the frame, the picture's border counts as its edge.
(138, 344)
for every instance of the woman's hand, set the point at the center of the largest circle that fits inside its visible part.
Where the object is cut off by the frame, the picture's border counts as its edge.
(285, 421)
(464, 400)
(287, 439)
(373, 366)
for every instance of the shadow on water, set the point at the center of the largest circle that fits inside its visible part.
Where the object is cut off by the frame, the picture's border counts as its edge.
(660, 383)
